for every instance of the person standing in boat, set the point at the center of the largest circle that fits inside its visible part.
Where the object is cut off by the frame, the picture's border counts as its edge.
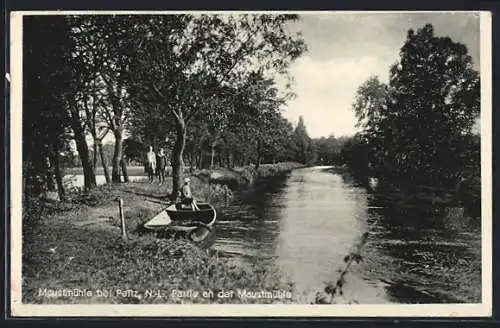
(187, 196)
(151, 164)
(161, 164)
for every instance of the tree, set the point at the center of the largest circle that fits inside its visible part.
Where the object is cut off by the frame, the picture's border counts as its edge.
(201, 54)
(305, 150)
(92, 101)
(215, 122)
(328, 149)
(79, 74)
(414, 126)
(134, 150)
(46, 133)
(281, 141)
(355, 152)
(101, 43)
(197, 133)
(150, 125)
(256, 116)
(371, 109)
(437, 90)
(115, 114)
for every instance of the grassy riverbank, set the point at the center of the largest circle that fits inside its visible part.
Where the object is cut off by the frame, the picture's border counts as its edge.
(76, 244)
(244, 176)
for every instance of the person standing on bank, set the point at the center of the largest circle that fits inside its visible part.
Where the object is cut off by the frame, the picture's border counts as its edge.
(161, 164)
(187, 196)
(151, 164)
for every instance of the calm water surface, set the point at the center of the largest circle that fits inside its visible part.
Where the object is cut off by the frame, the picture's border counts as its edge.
(307, 221)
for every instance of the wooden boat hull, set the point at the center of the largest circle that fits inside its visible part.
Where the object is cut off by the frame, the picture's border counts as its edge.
(178, 218)
(176, 221)
(185, 216)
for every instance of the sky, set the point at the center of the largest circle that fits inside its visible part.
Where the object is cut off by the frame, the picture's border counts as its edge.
(345, 49)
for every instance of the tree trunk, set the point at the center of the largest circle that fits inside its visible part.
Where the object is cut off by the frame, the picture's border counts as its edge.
(244, 159)
(104, 163)
(193, 157)
(49, 174)
(58, 174)
(123, 165)
(201, 154)
(94, 156)
(259, 154)
(83, 151)
(117, 156)
(212, 154)
(200, 162)
(177, 153)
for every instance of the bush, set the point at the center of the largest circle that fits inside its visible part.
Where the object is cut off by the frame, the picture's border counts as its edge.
(216, 194)
(274, 169)
(247, 175)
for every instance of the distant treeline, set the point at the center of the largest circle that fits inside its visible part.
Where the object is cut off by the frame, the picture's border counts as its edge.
(280, 143)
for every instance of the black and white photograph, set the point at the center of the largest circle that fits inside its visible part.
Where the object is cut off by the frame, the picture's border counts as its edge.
(325, 163)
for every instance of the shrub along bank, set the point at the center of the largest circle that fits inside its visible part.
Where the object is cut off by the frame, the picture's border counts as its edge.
(246, 175)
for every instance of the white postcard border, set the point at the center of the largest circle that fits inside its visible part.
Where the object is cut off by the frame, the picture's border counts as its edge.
(221, 310)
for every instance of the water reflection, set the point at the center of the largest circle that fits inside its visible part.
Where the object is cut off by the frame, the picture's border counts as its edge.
(322, 221)
(426, 252)
(308, 220)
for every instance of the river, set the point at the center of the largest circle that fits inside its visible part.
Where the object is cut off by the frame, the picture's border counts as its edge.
(306, 222)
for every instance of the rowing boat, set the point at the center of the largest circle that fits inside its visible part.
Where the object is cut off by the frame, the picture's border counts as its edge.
(196, 225)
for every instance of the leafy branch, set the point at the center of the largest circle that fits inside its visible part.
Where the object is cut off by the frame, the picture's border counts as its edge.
(334, 289)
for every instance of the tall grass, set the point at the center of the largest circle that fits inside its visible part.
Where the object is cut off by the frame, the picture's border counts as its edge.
(98, 260)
